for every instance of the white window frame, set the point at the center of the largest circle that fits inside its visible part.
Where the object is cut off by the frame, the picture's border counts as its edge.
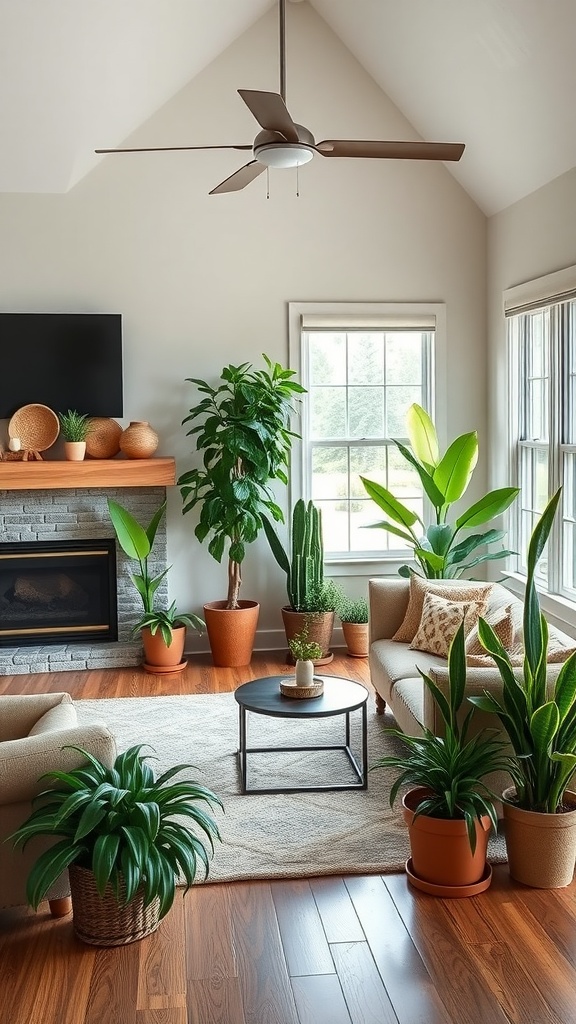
(548, 292)
(352, 564)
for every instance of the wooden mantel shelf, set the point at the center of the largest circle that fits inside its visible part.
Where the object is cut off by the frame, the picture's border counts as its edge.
(52, 475)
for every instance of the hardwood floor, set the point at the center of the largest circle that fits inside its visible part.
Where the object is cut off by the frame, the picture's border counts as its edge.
(354, 950)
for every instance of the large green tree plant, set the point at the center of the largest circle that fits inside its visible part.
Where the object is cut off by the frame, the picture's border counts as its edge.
(242, 430)
(539, 718)
(441, 549)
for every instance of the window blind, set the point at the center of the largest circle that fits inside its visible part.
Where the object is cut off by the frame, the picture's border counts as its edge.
(544, 291)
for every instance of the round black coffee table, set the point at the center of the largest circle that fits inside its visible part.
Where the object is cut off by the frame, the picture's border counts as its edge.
(341, 697)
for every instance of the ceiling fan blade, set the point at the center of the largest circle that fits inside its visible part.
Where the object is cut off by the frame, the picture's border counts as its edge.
(392, 150)
(240, 178)
(271, 112)
(167, 149)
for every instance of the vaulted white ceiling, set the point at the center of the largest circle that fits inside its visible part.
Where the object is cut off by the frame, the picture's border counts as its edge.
(499, 75)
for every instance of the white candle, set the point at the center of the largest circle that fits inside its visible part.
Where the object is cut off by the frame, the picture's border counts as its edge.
(14, 444)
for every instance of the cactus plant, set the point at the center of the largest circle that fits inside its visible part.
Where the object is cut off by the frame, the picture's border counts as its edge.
(307, 590)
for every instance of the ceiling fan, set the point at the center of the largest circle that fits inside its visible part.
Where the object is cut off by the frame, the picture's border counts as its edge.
(283, 143)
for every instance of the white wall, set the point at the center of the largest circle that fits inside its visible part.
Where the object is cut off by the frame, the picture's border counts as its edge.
(205, 280)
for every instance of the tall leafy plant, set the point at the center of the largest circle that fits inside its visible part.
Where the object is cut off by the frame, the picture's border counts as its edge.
(440, 549)
(242, 430)
(540, 720)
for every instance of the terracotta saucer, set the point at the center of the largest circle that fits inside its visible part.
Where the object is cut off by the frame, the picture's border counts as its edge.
(161, 670)
(449, 891)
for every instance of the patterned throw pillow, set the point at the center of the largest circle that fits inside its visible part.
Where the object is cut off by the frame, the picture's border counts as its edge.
(452, 590)
(503, 625)
(440, 621)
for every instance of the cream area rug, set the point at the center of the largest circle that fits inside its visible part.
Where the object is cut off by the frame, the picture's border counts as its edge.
(273, 835)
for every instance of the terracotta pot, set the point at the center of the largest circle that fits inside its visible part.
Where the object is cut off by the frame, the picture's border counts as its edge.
(440, 847)
(541, 847)
(74, 450)
(231, 632)
(319, 627)
(157, 655)
(139, 440)
(356, 637)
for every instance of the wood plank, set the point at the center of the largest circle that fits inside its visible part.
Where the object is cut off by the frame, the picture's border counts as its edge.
(210, 1003)
(175, 1015)
(210, 953)
(303, 939)
(266, 993)
(405, 976)
(367, 1000)
(503, 973)
(319, 1000)
(453, 971)
(49, 474)
(162, 963)
(339, 918)
(114, 986)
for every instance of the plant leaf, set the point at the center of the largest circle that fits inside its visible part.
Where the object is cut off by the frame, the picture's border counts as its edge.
(422, 434)
(453, 472)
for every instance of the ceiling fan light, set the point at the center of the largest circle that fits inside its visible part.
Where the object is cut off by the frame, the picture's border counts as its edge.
(283, 154)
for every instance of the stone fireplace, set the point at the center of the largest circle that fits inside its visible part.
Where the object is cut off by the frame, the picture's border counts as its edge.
(79, 514)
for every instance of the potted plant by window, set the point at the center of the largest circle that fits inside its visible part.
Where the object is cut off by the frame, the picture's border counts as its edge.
(312, 599)
(538, 713)
(125, 837)
(441, 550)
(354, 618)
(242, 432)
(450, 812)
(163, 630)
(74, 427)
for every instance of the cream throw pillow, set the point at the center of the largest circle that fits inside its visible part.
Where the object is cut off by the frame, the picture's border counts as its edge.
(452, 590)
(503, 625)
(440, 621)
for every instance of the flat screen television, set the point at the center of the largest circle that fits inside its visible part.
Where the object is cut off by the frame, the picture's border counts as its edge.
(62, 360)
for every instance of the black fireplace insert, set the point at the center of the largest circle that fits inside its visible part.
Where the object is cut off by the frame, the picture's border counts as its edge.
(55, 592)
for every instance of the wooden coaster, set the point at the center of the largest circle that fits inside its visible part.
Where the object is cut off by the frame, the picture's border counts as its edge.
(289, 688)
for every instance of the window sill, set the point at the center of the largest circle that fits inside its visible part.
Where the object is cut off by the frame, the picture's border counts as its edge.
(365, 566)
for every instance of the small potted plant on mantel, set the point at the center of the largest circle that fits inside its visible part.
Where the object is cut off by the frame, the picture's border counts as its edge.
(163, 630)
(74, 427)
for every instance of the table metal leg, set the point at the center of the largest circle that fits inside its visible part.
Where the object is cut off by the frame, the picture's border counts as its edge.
(242, 747)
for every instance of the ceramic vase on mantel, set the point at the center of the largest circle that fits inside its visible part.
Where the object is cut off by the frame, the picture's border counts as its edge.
(139, 440)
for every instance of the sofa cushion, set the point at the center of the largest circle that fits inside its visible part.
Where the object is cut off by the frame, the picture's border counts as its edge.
(502, 623)
(453, 590)
(61, 716)
(440, 622)
(408, 707)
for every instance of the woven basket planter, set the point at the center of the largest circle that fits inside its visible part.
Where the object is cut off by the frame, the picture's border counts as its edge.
(541, 847)
(105, 921)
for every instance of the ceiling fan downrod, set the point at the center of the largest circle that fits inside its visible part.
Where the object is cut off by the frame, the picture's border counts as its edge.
(282, 13)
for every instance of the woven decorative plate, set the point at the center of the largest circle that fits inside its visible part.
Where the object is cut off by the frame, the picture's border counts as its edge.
(37, 426)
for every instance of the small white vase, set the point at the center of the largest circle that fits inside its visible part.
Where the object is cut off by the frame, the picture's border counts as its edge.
(304, 673)
(75, 450)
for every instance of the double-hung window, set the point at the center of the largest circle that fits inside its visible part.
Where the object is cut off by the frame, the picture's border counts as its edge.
(362, 366)
(541, 319)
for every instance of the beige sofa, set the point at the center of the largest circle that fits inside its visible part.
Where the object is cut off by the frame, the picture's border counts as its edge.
(394, 666)
(33, 730)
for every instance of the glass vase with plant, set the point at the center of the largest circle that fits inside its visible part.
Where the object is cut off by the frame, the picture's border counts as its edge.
(441, 550)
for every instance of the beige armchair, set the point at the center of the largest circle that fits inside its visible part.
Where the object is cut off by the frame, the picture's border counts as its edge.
(33, 730)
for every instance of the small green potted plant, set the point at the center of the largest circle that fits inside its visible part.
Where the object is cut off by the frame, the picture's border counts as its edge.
(441, 550)
(125, 837)
(538, 713)
(450, 812)
(312, 600)
(353, 614)
(242, 434)
(163, 630)
(74, 427)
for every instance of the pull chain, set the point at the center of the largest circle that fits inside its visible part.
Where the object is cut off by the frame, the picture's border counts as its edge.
(267, 182)
(297, 181)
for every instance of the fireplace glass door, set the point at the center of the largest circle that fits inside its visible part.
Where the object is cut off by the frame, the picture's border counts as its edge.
(58, 592)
